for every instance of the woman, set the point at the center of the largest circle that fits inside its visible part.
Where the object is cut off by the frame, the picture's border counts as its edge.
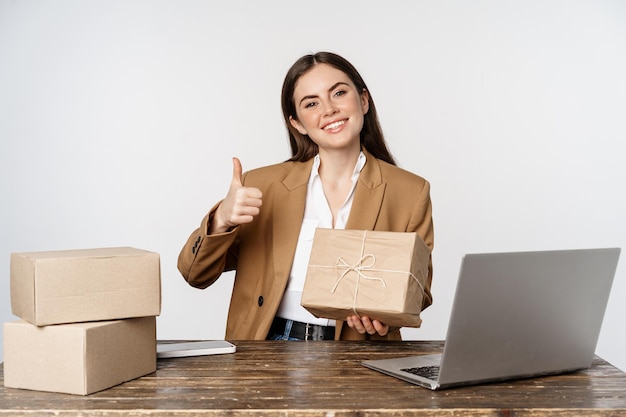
(341, 175)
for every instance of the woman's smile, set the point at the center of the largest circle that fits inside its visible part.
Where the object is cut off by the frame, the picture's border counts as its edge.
(335, 126)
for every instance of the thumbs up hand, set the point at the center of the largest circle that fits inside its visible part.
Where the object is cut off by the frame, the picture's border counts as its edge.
(240, 205)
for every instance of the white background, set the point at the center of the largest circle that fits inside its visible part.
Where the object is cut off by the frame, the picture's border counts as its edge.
(118, 121)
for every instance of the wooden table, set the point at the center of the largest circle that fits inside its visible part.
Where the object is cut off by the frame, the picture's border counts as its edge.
(268, 378)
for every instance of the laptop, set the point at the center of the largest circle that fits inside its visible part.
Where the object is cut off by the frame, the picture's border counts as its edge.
(517, 315)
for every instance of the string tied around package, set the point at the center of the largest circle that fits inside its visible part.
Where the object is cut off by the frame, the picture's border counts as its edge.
(366, 262)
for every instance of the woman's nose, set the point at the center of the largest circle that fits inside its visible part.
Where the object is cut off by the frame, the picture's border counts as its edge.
(329, 108)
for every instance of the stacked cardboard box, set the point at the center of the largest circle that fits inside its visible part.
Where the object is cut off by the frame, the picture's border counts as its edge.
(88, 319)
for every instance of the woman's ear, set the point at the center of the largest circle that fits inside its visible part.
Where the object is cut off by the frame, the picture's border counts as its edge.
(365, 101)
(297, 125)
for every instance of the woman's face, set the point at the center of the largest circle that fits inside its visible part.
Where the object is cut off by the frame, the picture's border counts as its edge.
(329, 108)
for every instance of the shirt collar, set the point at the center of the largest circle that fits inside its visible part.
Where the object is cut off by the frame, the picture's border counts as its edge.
(360, 163)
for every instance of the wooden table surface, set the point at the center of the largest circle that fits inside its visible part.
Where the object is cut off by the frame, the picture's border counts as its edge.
(323, 378)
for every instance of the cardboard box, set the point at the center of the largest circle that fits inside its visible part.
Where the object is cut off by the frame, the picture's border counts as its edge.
(79, 358)
(85, 285)
(376, 274)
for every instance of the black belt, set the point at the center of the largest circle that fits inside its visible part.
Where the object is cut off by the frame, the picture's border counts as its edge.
(303, 331)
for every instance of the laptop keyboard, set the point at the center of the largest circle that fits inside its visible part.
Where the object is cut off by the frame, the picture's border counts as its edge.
(428, 372)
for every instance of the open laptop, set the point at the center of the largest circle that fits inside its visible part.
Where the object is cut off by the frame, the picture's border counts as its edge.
(517, 315)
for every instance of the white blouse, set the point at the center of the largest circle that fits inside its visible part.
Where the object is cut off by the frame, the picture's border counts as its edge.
(317, 213)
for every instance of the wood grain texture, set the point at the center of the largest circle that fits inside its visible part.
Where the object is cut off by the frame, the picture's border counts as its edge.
(277, 378)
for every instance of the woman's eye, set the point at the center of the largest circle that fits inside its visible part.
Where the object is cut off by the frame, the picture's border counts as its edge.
(339, 93)
(309, 105)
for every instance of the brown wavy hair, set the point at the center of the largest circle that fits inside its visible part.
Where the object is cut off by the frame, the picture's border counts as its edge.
(302, 147)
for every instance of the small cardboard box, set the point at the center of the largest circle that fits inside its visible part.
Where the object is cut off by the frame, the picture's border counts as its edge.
(381, 275)
(82, 285)
(79, 358)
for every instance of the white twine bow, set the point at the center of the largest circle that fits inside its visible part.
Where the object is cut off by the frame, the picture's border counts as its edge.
(358, 267)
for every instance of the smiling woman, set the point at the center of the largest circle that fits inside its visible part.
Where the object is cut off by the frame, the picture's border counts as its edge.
(335, 179)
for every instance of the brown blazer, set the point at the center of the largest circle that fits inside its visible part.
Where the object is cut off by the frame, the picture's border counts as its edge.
(386, 198)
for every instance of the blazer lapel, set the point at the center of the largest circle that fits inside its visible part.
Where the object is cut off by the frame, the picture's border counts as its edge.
(288, 212)
(368, 196)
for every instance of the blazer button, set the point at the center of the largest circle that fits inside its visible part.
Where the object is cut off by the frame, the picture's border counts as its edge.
(260, 300)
